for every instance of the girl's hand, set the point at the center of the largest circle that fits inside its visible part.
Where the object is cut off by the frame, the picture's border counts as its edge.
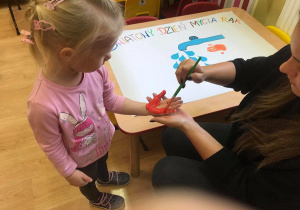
(159, 102)
(184, 67)
(179, 119)
(78, 179)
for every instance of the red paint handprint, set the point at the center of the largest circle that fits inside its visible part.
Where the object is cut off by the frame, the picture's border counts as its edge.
(216, 47)
(155, 102)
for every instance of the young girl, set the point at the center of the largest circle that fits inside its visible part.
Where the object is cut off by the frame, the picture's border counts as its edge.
(71, 40)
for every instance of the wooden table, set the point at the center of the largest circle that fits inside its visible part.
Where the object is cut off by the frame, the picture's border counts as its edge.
(133, 126)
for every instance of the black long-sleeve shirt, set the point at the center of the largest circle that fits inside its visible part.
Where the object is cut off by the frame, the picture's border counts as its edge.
(276, 186)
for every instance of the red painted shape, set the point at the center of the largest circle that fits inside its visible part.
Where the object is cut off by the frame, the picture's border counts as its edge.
(152, 105)
(216, 47)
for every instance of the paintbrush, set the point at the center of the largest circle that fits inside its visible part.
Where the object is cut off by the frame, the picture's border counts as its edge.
(181, 85)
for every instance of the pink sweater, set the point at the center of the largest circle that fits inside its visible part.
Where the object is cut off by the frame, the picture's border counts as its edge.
(70, 123)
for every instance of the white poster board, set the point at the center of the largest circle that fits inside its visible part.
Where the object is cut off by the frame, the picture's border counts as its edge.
(144, 60)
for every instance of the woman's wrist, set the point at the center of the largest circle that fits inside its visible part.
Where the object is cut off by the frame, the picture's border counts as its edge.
(187, 126)
(205, 73)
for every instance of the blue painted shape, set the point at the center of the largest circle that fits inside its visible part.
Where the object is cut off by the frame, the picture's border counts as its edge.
(175, 66)
(183, 46)
(203, 59)
(175, 56)
(179, 58)
(193, 58)
(189, 53)
(182, 58)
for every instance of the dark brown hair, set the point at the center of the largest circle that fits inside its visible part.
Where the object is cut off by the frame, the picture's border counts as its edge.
(275, 138)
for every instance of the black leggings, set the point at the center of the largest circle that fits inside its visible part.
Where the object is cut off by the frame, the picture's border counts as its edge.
(97, 169)
(183, 166)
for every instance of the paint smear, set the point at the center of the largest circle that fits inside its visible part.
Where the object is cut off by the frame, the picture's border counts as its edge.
(216, 48)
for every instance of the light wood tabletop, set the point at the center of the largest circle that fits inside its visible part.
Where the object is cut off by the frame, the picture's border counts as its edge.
(133, 126)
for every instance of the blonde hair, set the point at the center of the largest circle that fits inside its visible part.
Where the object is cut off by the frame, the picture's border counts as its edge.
(78, 24)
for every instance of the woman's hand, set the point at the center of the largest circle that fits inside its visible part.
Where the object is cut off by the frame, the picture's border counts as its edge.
(184, 67)
(179, 119)
(159, 102)
(78, 179)
(203, 142)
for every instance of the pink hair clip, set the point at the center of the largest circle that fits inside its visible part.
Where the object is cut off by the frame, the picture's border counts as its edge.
(51, 4)
(27, 37)
(37, 25)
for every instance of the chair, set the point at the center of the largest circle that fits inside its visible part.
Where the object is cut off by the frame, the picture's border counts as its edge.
(175, 9)
(12, 14)
(199, 7)
(281, 34)
(139, 19)
(133, 8)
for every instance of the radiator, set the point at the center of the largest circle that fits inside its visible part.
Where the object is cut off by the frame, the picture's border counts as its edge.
(289, 16)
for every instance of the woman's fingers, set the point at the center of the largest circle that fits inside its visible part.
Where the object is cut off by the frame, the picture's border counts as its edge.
(197, 78)
(183, 69)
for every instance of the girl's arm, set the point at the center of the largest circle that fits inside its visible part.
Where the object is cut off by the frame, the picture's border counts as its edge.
(134, 108)
(139, 108)
(121, 105)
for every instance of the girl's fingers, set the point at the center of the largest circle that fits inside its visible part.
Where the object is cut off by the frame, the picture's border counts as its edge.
(177, 99)
(174, 106)
(162, 94)
(177, 102)
(87, 178)
(149, 98)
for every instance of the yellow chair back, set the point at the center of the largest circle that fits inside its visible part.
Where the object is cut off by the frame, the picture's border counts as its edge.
(135, 8)
(281, 34)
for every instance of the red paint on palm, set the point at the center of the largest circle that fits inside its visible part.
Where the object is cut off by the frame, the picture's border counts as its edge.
(155, 102)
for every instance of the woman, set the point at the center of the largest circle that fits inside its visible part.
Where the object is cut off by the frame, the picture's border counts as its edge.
(256, 159)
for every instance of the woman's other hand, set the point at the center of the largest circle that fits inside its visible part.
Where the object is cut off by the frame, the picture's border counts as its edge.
(179, 119)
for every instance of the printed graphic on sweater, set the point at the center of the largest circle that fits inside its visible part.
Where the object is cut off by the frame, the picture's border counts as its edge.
(84, 128)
